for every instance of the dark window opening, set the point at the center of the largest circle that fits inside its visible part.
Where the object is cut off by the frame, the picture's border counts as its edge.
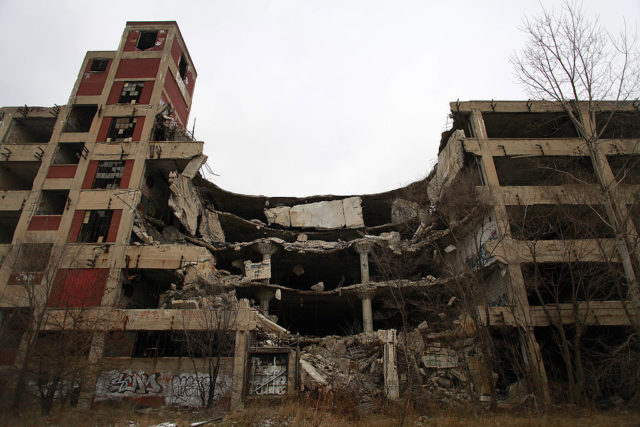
(52, 202)
(184, 344)
(182, 67)
(528, 125)
(119, 343)
(25, 130)
(8, 223)
(99, 64)
(13, 324)
(95, 226)
(568, 282)
(68, 153)
(621, 125)
(17, 176)
(144, 288)
(155, 192)
(80, 118)
(558, 222)
(147, 39)
(131, 93)
(625, 168)
(121, 129)
(109, 174)
(63, 343)
(551, 170)
(31, 261)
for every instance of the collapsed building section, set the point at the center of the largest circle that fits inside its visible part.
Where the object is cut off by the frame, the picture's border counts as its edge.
(453, 289)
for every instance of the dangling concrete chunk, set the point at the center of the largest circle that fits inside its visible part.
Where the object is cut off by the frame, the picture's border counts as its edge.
(210, 228)
(184, 201)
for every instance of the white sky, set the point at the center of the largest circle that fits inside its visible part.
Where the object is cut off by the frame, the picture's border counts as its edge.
(298, 97)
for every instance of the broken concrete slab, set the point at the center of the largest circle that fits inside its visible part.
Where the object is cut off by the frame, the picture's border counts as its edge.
(194, 166)
(257, 270)
(184, 201)
(210, 228)
(279, 215)
(450, 163)
(352, 207)
(403, 210)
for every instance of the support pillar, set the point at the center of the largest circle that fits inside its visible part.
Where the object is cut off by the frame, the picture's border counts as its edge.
(264, 297)
(390, 368)
(266, 248)
(243, 324)
(367, 313)
(363, 248)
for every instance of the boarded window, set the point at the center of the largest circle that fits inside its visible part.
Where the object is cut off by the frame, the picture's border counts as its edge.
(121, 129)
(130, 93)
(147, 40)
(109, 174)
(95, 226)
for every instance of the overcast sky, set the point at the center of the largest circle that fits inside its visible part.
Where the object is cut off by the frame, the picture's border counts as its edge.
(298, 97)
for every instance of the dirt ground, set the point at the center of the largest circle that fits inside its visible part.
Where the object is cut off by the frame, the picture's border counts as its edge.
(309, 414)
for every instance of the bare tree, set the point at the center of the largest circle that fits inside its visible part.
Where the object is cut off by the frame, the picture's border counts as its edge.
(589, 71)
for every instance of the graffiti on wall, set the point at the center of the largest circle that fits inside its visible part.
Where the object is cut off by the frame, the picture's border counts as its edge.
(185, 389)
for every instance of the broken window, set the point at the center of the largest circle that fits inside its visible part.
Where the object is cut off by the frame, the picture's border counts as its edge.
(18, 176)
(68, 153)
(121, 129)
(182, 67)
(147, 39)
(109, 174)
(8, 224)
(30, 129)
(130, 93)
(52, 202)
(95, 226)
(80, 118)
(268, 374)
(99, 64)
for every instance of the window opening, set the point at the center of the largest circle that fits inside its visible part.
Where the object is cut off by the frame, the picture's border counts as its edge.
(109, 174)
(182, 67)
(131, 93)
(99, 64)
(18, 175)
(8, 224)
(68, 153)
(147, 39)
(121, 129)
(80, 118)
(52, 202)
(30, 129)
(95, 226)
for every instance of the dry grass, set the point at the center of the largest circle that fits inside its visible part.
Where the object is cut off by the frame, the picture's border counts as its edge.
(308, 413)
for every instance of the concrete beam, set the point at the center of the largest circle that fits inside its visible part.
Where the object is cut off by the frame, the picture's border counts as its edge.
(13, 200)
(166, 256)
(586, 250)
(549, 147)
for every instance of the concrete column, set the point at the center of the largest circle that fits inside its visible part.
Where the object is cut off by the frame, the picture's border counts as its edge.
(264, 296)
(367, 315)
(266, 248)
(243, 324)
(363, 248)
(390, 368)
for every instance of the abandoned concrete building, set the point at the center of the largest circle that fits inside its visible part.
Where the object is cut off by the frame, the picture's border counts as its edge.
(164, 283)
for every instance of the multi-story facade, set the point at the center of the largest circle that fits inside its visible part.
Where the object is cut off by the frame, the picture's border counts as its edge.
(107, 230)
(560, 217)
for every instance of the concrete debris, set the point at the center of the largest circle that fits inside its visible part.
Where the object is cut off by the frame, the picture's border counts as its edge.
(184, 201)
(194, 166)
(403, 210)
(210, 228)
(257, 270)
(450, 163)
(318, 287)
(449, 249)
(325, 215)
